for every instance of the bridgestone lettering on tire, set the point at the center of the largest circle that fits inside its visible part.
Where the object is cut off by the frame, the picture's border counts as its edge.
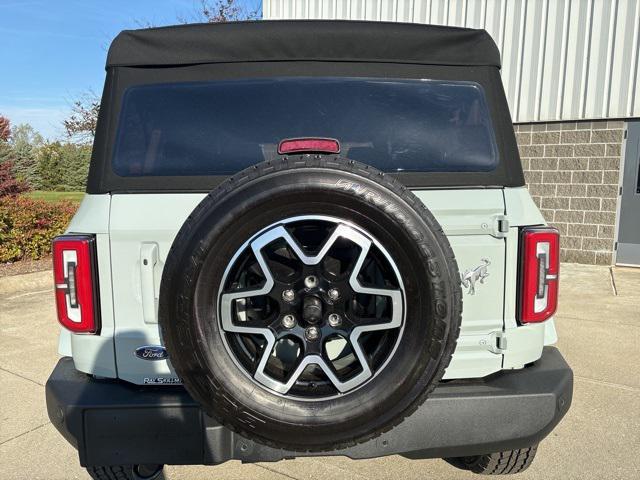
(310, 303)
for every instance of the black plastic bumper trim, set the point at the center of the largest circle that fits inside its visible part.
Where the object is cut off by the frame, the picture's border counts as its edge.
(116, 423)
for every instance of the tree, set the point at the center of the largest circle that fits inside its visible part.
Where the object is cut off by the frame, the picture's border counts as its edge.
(75, 166)
(24, 143)
(80, 126)
(49, 166)
(25, 136)
(63, 166)
(5, 129)
(6, 152)
(220, 11)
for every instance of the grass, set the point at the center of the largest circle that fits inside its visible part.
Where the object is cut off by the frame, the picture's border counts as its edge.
(55, 196)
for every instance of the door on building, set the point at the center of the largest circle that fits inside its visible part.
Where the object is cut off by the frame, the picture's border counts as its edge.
(628, 252)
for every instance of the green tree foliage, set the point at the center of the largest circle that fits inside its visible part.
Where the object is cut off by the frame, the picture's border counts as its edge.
(23, 146)
(9, 184)
(38, 165)
(6, 151)
(62, 166)
(49, 166)
(76, 168)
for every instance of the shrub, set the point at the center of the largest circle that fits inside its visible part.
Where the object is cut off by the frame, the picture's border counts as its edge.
(9, 184)
(28, 226)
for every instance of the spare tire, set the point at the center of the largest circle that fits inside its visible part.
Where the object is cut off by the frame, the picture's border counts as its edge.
(310, 303)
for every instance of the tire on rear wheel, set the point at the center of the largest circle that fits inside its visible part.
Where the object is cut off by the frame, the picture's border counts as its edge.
(127, 472)
(204, 352)
(499, 463)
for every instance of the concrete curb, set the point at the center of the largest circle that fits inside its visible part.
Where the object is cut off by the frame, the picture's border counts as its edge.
(27, 282)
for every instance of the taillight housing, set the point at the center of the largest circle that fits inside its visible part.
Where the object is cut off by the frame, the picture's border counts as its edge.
(539, 273)
(75, 274)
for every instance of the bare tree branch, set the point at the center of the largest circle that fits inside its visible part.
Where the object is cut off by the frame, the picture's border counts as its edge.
(80, 126)
(220, 11)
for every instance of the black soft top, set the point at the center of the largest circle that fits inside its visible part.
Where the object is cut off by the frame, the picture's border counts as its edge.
(316, 40)
(299, 48)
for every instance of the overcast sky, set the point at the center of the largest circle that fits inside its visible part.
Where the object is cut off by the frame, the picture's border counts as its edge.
(53, 51)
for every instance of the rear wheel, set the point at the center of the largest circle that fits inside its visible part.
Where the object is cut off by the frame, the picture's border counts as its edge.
(499, 463)
(310, 303)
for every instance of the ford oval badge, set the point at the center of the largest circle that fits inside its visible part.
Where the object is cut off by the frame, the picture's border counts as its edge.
(152, 352)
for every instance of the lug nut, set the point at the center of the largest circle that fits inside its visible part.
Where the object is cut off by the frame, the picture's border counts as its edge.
(334, 294)
(335, 320)
(288, 295)
(288, 321)
(311, 281)
(312, 333)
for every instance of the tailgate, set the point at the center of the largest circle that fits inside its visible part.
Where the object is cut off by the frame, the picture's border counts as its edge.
(142, 228)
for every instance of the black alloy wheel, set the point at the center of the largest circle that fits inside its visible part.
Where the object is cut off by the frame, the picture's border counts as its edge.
(312, 307)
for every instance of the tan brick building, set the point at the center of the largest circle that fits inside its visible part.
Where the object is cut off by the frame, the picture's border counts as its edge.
(572, 170)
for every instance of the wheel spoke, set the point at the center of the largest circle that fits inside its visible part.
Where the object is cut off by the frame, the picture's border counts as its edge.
(226, 301)
(396, 315)
(284, 388)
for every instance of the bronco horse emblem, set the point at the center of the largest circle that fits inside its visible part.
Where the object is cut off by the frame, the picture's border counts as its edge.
(472, 275)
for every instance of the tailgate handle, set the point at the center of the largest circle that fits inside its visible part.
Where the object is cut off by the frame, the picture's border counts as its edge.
(148, 262)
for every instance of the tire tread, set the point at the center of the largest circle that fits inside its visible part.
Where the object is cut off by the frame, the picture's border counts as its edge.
(506, 462)
(116, 472)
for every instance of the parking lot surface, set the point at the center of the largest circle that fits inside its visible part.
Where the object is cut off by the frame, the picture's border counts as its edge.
(599, 327)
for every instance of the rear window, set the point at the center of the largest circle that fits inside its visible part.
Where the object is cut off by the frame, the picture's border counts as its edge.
(219, 128)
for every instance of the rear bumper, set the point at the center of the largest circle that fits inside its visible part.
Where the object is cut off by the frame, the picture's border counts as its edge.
(115, 423)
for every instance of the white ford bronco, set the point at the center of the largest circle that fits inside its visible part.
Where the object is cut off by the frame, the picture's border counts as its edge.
(305, 238)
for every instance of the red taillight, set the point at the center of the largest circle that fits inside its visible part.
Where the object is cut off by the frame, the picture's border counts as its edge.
(76, 283)
(302, 145)
(539, 273)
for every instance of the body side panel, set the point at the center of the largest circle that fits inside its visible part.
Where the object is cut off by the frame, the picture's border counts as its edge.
(524, 342)
(95, 353)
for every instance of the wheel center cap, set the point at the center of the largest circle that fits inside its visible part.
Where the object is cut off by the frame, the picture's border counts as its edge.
(312, 309)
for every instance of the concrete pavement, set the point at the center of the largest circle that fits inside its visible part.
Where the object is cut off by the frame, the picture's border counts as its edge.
(599, 328)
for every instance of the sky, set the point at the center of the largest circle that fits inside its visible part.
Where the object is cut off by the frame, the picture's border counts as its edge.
(52, 52)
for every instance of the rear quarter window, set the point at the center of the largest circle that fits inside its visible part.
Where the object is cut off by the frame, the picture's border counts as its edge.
(219, 128)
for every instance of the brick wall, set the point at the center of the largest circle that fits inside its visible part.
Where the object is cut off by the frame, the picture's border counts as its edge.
(572, 171)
